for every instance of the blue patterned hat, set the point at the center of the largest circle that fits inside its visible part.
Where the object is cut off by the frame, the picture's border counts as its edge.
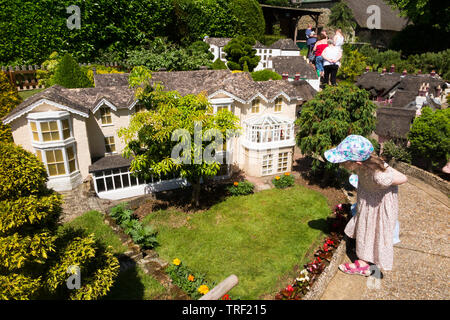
(352, 148)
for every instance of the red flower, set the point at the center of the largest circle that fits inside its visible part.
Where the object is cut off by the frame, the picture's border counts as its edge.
(318, 259)
(289, 288)
(226, 297)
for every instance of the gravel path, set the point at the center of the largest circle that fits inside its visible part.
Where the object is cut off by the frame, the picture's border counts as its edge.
(421, 260)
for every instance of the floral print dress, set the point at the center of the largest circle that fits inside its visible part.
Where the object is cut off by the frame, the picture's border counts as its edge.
(373, 225)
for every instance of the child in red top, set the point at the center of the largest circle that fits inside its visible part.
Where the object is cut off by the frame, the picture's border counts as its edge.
(320, 45)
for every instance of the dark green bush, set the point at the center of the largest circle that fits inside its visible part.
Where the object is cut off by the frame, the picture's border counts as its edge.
(391, 150)
(264, 75)
(241, 188)
(69, 74)
(240, 51)
(430, 137)
(219, 65)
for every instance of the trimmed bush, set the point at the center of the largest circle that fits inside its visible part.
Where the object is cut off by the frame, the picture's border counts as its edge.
(219, 65)
(430, 137)
(391, 150)
(265, 75)
(69, 74)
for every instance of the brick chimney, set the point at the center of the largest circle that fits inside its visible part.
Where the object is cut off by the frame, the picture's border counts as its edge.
(285, 76)
(422, 90)
(297, 76)
(392, 68)
(419, 71)
(438, 91)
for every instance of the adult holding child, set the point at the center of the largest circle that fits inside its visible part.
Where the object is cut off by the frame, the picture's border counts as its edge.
(320, 45)
(373, 226)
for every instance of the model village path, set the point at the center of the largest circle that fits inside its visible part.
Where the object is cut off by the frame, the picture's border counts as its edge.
(421, 260)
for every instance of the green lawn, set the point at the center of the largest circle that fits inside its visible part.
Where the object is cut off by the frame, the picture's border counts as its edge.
(260, 237)
(28, 93)
(132, 284)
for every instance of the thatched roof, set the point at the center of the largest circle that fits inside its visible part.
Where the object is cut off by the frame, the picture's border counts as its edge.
(394, 122)
(389, 17)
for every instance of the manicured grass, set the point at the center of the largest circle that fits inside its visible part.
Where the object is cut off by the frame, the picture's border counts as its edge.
(131, 284)
(260, 237)
(92, 222)
(28, 93)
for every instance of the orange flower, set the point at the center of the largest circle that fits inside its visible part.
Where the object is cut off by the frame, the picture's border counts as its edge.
(277, 178)
(203, 289)
(287, 173)
(191, 277)
(236, 183)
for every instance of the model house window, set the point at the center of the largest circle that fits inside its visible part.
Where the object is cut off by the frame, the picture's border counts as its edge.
(269, 128)
(270, 51)
(50, 131)
(278, 104)
(65, 128)
(221, 108)
(71, 159)
(283, 161)
(267, 164)
(105, 115)
(255, 106)
(55, 162)
(110, 144)
(34, 130)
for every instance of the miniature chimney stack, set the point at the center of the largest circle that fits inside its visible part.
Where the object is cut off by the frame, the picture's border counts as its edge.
(422, 90)
(384, 71)
(433, 73)
(404, 73)
(392, 68)
(367, 69)
(297, 76)
(419, 71)
(285, 76)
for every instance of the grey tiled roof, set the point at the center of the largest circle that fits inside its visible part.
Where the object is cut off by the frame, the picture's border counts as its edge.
(220, 42)
(293, 65)
(284, 44)
(109, 162)
(111, 80)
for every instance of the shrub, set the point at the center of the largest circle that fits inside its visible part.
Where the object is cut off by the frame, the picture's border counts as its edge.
(219, 65)
(240, 51)
(143, 236)
(430, 137)
(34, 257)
(285, 181)
(353, 64)
(241, 188)
(9, 99)
(69, 74)
(99, 69)
(264, 75)
(391, 150)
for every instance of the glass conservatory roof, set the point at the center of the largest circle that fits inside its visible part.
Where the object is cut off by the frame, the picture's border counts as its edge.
(267, 119)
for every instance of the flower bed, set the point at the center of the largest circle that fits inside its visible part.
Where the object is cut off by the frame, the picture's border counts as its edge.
(322, 257)
(284, 181)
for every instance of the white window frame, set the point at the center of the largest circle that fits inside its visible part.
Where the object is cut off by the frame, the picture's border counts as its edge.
(115, 144)
(42, 117)
(65, 157)
(267, 161)
(284, 157)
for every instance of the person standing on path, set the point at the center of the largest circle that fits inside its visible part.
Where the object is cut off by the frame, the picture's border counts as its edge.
(320, 45)
(338, 39)
(377, 204)
(331, 61)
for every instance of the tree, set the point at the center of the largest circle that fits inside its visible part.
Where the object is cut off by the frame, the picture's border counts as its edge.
(430, 137)
(240, 51)
(152, 136)
(341, 17)
(333, 114)
(34, 257)
(9, 99)
(353, 64)
(69, 74)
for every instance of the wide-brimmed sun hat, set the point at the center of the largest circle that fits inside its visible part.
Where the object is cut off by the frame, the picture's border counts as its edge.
(352, 148)
(353, 179)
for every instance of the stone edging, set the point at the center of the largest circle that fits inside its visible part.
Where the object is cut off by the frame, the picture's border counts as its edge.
(148, 260)
(320, 285)
(421, 174)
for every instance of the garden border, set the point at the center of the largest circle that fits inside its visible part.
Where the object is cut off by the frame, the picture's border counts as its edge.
(422, 175)
(320, 285)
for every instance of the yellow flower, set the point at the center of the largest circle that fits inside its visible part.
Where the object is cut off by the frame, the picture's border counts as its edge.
(277, 178)
(176, 261)
(287, 173)
(203, 289)
(191, 277)
(236, 183)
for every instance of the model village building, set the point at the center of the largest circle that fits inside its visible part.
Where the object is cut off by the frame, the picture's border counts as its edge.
(400, 98)
(74, 131)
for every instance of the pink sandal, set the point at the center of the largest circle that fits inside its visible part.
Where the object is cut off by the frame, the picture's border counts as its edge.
(360, 270)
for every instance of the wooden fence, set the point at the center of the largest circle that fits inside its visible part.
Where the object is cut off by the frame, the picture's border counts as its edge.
(25, 77)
